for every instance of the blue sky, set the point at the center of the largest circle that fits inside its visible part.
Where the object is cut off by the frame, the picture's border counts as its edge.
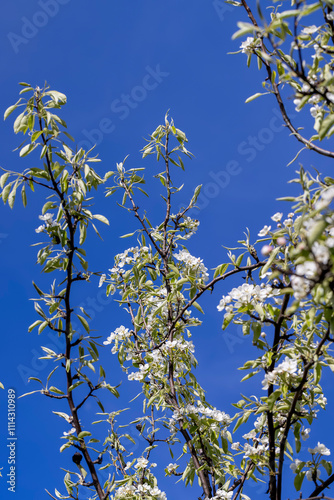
(122, 65)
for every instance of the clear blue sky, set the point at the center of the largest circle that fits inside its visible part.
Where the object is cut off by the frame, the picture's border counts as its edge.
(122, 65)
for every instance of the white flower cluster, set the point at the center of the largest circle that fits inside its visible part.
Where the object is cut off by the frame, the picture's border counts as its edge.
(49, 222)
(259, 449)
(312, 474)
(295, 464)
(288, 366)
(222, 495)
(277, 217)
(326, 197)
(171, 468)
(246, 294)
(320, 448)
(120, 333)
(189, 226)
(217, 415)
(247, 46)
(156, 365)
(310, 30)
(186, 228)
(260, 443)
(194, 264)
(128, 490)
(305, 433)
(141, 374)
(72, 431)
(180, 344)
(126, 258)
(141, 463)
(309, 270)
(301, 284)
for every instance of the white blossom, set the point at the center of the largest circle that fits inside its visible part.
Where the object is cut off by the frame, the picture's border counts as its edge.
(72, 431)
(171, 468)
(102, 279)
(40, 229)
(281, 241)
(267, 249)
(310, 30)
(288, 222)
(277, 217)
(247, 45)
(295, 465)
(246, 294)
(264, 231)
(305, 433)
(120, 333)
(320, 448)
(194, 264)
(311, 473)
(141, 463)
(287, 366)
(321, 252)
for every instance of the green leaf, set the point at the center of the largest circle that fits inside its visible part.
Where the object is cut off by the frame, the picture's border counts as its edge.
(299, 480)
(84, 323)
(198, 307)
(11, 197)
(128, 235)
(255, 96)
(84, 434)
(10, 110)
(196, 194)
(63, 447)
(73, 386)
(36, 323)
(271, 259)
(6, 191)
(36, 379)
(55, 390)
(24, 196)
(327, 466)
(325, 126)
(57, 96)
(18, 121)
(101, 218)
(316, 231)
(3, 179)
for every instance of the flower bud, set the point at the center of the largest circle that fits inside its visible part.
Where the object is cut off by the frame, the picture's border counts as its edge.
(266, 249)
(281, 241)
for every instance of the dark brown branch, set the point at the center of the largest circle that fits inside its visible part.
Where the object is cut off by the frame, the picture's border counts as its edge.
(296, 397)
(278, 96)
(322, 486)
